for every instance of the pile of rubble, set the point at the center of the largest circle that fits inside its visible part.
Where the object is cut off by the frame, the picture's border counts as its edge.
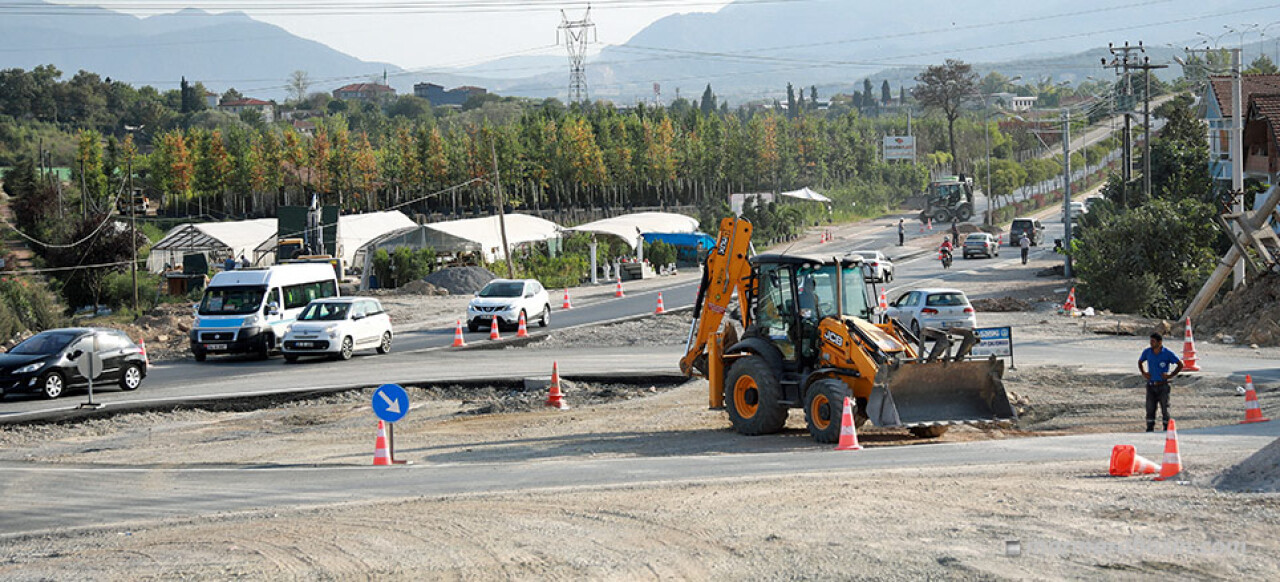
(461, 280)
(1001, 305)
(1247, 315)
(164, 328)
(1258, 473)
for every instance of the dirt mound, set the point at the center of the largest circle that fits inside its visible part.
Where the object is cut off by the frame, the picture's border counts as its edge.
(164, 328)
(460, 280)
(1001, 304)
(1260, 472)
(420, 288)
(1247, 315)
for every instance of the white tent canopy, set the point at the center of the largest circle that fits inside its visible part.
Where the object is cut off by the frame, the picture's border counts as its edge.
(355, 230)
(521, 229)
(217, 240)
(806, 194)
(629, 227)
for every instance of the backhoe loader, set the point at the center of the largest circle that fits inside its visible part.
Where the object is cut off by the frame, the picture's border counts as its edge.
(808, 341)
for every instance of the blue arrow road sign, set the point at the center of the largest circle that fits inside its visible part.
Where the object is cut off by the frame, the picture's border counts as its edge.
(390, 402)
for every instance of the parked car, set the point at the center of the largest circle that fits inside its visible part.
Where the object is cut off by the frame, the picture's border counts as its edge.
(981, 243)
(506, 299)
(336, 327)
(879, 267)
(937, 308)
(46, 363)
(1031, 226)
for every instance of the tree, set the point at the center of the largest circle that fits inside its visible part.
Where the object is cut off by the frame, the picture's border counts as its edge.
(101, 246)
(230, 95)
(1262, 66)
(945, 88)
(886, 94)
(299, 82)
(813, 96)
(708, 104)
(791, 101)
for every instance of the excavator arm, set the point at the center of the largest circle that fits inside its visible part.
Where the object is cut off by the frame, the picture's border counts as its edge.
(726, 271)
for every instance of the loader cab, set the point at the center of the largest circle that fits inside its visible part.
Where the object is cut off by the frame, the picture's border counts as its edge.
(793, 293)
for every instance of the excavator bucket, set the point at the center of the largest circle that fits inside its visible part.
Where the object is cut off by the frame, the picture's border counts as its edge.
(940, 394)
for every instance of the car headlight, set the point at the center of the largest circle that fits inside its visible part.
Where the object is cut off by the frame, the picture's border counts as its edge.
(27, 369)
(251, 321)
(332, 330)
(288, 329)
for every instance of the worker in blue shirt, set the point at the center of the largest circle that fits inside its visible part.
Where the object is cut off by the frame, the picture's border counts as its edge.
(1157, 359)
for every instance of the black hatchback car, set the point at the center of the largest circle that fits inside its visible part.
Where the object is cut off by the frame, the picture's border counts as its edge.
(46, 362)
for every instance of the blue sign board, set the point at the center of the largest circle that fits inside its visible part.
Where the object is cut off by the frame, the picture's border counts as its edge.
(390, 402)
(993, 341)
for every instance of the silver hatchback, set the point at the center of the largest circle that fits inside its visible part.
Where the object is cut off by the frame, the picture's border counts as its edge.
(937, 308)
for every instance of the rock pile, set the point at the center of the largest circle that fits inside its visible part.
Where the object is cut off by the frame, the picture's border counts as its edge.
(1248, 315)
(460, 280)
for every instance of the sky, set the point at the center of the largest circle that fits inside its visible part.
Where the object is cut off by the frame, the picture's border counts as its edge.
(448, 36)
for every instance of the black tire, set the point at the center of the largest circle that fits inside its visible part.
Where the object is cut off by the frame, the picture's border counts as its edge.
(545, 320)
(346, 350)
(915, 328)
(964, 213)
(290, 358)
(472, 326)
(824, 409)
(199, 355)
(131, 377)
(52, 385)
(752, 396)
(928, 432)
(264, 347)
(384, 346)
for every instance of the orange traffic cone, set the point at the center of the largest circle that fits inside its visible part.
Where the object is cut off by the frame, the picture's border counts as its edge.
(1189, 350)
(1126, 461)
(522, 331)
(146, 361)
(884, 301)
(554, 397)
(1070, 306)
(566, 304)
(381, 456)
(457, 336)
(1172, 465)
(660, 310)
(618, 290)
(848, 436)
(493, 329)
(930, 224)
(1251, 411)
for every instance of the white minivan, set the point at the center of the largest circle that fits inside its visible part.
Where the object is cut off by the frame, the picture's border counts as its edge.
(247, 310)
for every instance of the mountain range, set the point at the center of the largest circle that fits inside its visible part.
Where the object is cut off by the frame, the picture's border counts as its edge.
(746, 50)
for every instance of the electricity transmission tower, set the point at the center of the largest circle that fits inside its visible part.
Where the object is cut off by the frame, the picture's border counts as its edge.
(576, 34)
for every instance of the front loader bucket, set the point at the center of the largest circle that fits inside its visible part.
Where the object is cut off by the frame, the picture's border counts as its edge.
(940, 393)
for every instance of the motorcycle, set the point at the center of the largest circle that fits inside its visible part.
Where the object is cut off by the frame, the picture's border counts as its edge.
(945, 256)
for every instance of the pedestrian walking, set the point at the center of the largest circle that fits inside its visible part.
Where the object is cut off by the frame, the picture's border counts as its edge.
(902, 232)
(955, 233)
(1157, 359)
(1025, 243)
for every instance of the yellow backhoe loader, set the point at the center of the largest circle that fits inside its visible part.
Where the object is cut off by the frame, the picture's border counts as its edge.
(808, 341)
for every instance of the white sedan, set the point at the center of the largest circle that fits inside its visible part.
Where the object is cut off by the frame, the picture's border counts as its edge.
(507, 300)
(879, 267)
(936, 308)
(338, 326)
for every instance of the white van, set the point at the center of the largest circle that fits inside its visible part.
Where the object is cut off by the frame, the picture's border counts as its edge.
(247, 310)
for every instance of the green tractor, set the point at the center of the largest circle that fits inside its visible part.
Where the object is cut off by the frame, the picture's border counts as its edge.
(949, 198)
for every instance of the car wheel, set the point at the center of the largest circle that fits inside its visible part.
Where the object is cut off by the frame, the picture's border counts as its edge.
(264, 347)
(131, 377)
(52, 385)
(385, 346)
(290, 358)
(915, 328)
(199, 355)
(472, 326)
(346, 350)
(545, 320)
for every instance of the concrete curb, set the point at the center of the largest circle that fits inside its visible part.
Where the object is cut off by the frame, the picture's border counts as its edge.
(536, 337)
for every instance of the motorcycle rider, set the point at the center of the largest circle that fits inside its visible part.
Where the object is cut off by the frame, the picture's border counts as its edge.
(944, 251)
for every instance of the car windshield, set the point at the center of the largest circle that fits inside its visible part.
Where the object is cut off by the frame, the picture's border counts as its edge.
(324, 311)
(233, 300)
(946, 300)
(1021, 225)
(976, 238)
(503, 289)
(49, 342)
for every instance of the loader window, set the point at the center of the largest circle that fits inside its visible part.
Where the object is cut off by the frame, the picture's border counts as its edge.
(775, 308)
(824, 288)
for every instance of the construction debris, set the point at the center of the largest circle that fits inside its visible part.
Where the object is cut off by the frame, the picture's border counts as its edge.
(1258, 473)
(1247, 314)
(461, 280)
(1001, 305)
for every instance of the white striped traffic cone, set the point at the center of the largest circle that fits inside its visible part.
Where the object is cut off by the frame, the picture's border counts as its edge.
(522, 331)
(566, 304)
(493, 329)
(660, 310)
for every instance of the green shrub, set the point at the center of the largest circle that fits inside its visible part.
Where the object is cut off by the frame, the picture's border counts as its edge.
(27, 304)
(402, 265)
(117, 290)
(660, 253)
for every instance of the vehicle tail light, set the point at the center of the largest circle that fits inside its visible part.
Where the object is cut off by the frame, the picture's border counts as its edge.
(928, 311)
(968, 310)
(875, 264)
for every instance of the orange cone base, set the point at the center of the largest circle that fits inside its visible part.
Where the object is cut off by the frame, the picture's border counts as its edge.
(1253, 420)
(1189, 366)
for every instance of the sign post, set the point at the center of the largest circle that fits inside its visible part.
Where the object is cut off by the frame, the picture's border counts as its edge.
(994, 341)
(89, 364)
(390, 404)
(899, 147)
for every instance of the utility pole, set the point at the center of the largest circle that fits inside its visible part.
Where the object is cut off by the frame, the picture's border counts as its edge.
(1146, 68)
(1122, 62)
(133, 233)
(575, 40)
(1066, 191)
(502, 212)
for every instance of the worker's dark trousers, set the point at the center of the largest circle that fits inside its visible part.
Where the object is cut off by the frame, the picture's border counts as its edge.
(901, 237)
(1024, 255)
(1157, 393)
